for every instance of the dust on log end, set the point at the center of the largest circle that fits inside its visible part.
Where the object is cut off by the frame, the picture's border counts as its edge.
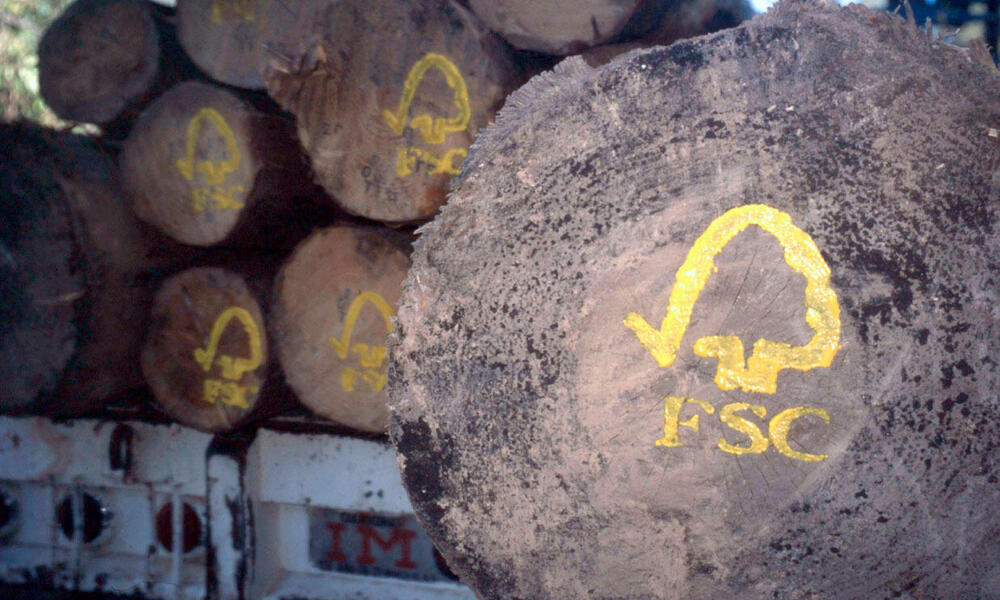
(335, 300)
(718, 320)
(202, 165)
(205, 357)
(222, 37)
(98, 57)
(388, 98)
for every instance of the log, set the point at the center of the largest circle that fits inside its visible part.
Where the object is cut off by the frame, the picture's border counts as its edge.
(96, 58)
(75, 271)
(210, 169)
(223, 38)
(104, 61)
(556, 28)
(388, 99)
(334, 301)
(718, 320)
(206, 354)
(662, 23)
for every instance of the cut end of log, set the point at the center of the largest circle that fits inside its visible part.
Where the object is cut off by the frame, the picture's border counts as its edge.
(555, 27)
(96, 58)
(222, 37)
(206, 356)
(188, 163)
(335, 306)
(387, 99)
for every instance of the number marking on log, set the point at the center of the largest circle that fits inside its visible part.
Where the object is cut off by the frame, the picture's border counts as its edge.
(778, 427)
(230, 392)
(433, 130)
(370, 358)
(760, 372)
(214, 172)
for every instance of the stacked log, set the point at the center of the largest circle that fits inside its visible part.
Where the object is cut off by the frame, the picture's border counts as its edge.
(334, 305)
(77, 269)
(557, 27)
(389, 99)
(223, 38)
(718, 320)
(206, 356)
(103, 61)
(208, 168)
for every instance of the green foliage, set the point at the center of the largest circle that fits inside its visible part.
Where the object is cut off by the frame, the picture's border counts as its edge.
(22, 23)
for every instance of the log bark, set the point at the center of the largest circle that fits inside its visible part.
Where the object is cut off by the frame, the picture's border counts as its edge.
(103, 61)
(718, 320)
(206, 355)
(76, 267)
(210, 169)
(223, 38)
(388, 99)
(335, 300)
(557, 28)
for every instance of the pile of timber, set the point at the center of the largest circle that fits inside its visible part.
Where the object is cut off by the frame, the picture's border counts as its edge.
(578, 401)
(233, 243)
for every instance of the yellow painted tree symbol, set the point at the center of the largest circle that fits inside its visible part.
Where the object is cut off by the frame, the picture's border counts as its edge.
(215, 171)
(232, 368)
(432, 129)
(760, 372)
(371, 358)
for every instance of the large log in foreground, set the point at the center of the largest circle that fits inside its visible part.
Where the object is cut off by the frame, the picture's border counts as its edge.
(207, 168)
(718, 320)
(74, 273)
(334, 303)
(388, 98)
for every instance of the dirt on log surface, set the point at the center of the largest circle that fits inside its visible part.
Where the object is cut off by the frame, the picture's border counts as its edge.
(718, 320)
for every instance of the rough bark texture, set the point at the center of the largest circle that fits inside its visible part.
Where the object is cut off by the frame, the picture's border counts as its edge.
(223, 38)
(208, 168)
(527, 411)
(206, 355)
(335, 300)
(76, 268)
(388, 97)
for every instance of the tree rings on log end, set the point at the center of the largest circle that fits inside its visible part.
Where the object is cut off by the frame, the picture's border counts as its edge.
(96, 58)
(718, 320)
(223, 38)
(388, 99)
(335, 304)
(189, 164)
(206, 357)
